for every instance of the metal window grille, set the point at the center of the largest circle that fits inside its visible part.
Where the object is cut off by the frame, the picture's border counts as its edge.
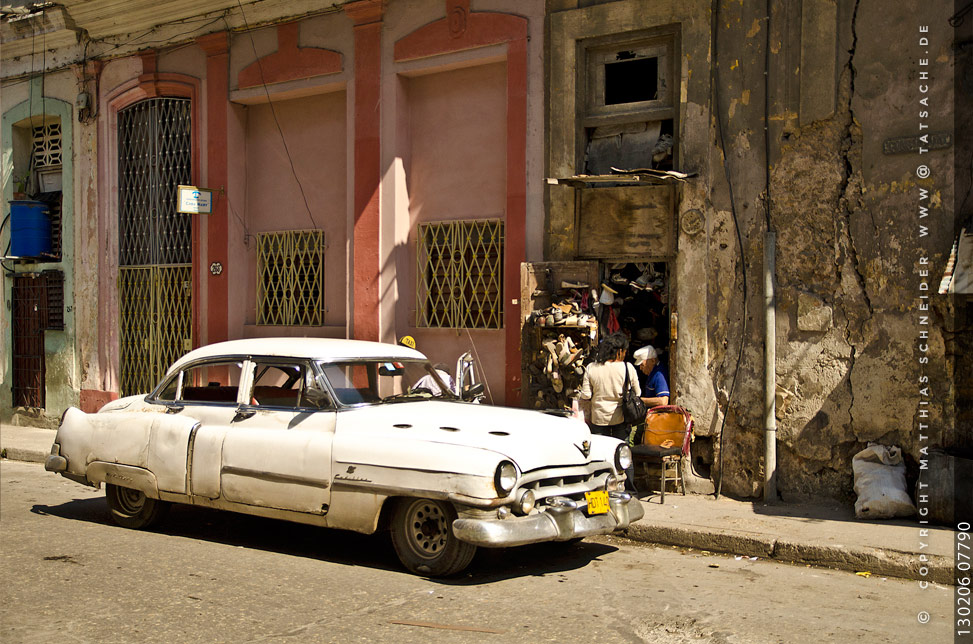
(154, 241)
(290, 278)
(47, 145)
(54, 297)
(53, 201)
(460, 275)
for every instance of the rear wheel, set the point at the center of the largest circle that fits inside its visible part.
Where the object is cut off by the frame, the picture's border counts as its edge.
(132, 509)
(422, 534)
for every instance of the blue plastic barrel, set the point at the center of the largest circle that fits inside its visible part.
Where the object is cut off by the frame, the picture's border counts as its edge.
(30, 229)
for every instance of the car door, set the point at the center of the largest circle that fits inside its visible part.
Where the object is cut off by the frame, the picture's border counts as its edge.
(277, 449)
(208, 392)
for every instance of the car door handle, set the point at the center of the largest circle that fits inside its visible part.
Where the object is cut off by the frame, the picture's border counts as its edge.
(243, 414)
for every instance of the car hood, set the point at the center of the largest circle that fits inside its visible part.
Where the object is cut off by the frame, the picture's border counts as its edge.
(529, 438)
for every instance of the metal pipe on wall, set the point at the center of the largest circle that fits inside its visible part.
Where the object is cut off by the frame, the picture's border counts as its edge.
(770, 370)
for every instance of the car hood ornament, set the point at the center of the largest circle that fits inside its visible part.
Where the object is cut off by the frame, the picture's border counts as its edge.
(584, 448)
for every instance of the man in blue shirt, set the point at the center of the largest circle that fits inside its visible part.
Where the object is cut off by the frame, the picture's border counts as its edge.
(655, 389)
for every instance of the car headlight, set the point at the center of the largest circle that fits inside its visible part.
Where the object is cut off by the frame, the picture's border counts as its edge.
(526, 503)
(505, 478)
(623, 457)
(611, 482)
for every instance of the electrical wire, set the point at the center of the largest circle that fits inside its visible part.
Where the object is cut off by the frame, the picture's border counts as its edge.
(714, 79)
(8, 271)
(273, 111)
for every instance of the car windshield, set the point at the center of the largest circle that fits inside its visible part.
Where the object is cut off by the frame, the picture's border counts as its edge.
(391, 380)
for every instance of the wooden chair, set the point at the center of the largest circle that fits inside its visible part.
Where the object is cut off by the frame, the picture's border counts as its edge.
(664, 442)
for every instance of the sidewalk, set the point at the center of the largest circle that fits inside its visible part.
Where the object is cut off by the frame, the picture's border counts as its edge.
(825, 534)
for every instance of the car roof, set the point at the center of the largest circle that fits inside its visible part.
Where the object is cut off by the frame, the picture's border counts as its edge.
(325, 349)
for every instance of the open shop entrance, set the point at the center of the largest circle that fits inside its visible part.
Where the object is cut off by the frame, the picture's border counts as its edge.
(570, 306)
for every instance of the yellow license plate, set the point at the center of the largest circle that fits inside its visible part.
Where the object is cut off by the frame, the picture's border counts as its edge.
(597, 502)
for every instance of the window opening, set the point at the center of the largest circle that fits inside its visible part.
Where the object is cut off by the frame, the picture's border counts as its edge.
(631, 79)
(47, 144)
(208, 382)
(53, 202)
(460, 274)
(287, 385)
(631, 105)
(290, 278)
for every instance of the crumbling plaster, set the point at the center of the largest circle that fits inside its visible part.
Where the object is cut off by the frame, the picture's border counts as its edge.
(845, 216)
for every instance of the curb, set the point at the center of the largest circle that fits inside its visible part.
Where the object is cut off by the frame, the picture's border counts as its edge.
(26, 455)
(885, 562)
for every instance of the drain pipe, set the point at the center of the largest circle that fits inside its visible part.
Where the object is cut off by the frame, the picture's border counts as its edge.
(770, 370)
(770, 300)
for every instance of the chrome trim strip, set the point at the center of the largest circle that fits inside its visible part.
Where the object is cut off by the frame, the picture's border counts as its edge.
(273, 477)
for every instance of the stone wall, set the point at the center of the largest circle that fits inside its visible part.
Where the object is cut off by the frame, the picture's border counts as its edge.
(844, 80)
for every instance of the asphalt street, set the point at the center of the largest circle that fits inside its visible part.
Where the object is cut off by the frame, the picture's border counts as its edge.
(68, 574)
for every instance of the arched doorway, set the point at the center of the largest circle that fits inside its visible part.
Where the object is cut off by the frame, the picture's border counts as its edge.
(154, 241)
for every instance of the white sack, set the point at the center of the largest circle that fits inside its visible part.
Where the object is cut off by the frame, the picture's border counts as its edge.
(880, 484)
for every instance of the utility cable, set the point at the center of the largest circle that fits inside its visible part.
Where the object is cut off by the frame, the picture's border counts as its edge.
(273, 111)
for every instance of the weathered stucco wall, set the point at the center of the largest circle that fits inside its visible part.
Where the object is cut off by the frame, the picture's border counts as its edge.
(26, 103)
(844, 78)
(848, 238)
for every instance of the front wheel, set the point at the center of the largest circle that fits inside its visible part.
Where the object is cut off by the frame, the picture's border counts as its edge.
(422, 534)
(132, 509)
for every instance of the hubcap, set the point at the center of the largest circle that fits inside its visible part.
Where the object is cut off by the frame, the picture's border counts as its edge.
(131, 501)
(428, 530)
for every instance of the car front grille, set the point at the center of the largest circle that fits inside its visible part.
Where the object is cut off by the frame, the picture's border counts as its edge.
(571, 482)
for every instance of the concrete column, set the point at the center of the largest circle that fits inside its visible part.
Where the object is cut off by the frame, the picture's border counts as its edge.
(216, 47)
(367, 16)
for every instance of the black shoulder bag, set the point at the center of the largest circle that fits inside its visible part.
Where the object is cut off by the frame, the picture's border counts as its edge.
(633, 409)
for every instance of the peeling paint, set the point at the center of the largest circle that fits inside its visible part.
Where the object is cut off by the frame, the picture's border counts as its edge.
(754, 28)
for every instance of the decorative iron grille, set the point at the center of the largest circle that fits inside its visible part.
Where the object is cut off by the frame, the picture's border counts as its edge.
(47, 145)
(54, 297)
(290, 278)
(154, 241)
(156, 312)
(460, 274)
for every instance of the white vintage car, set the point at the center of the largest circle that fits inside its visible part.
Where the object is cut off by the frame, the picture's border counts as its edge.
(328, 432)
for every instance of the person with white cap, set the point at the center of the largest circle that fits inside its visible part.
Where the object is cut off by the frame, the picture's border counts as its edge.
(655, 389)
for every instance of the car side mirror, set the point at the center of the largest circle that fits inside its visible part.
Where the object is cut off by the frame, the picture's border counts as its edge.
(474, 392)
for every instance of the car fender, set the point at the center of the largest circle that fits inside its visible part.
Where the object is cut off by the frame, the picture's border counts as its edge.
(158, 443)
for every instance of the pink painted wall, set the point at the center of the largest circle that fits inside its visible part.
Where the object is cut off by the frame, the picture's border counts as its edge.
(314, 128)
(455, 168)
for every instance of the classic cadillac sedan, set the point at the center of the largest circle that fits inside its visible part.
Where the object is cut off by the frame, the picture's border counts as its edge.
(334, 433)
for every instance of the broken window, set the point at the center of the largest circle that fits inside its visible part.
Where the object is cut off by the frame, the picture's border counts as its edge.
(630, 113)
(630, 79)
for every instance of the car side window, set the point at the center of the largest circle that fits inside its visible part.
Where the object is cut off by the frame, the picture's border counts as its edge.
(211, 382)
(287, 385)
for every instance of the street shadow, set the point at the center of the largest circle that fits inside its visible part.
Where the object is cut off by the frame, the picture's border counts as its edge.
(817, 512)
(90, 510)
(536, 560)
(337, 546)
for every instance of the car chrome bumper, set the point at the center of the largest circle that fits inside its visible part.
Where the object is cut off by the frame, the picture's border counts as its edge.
(551, 524)
(55, 462)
